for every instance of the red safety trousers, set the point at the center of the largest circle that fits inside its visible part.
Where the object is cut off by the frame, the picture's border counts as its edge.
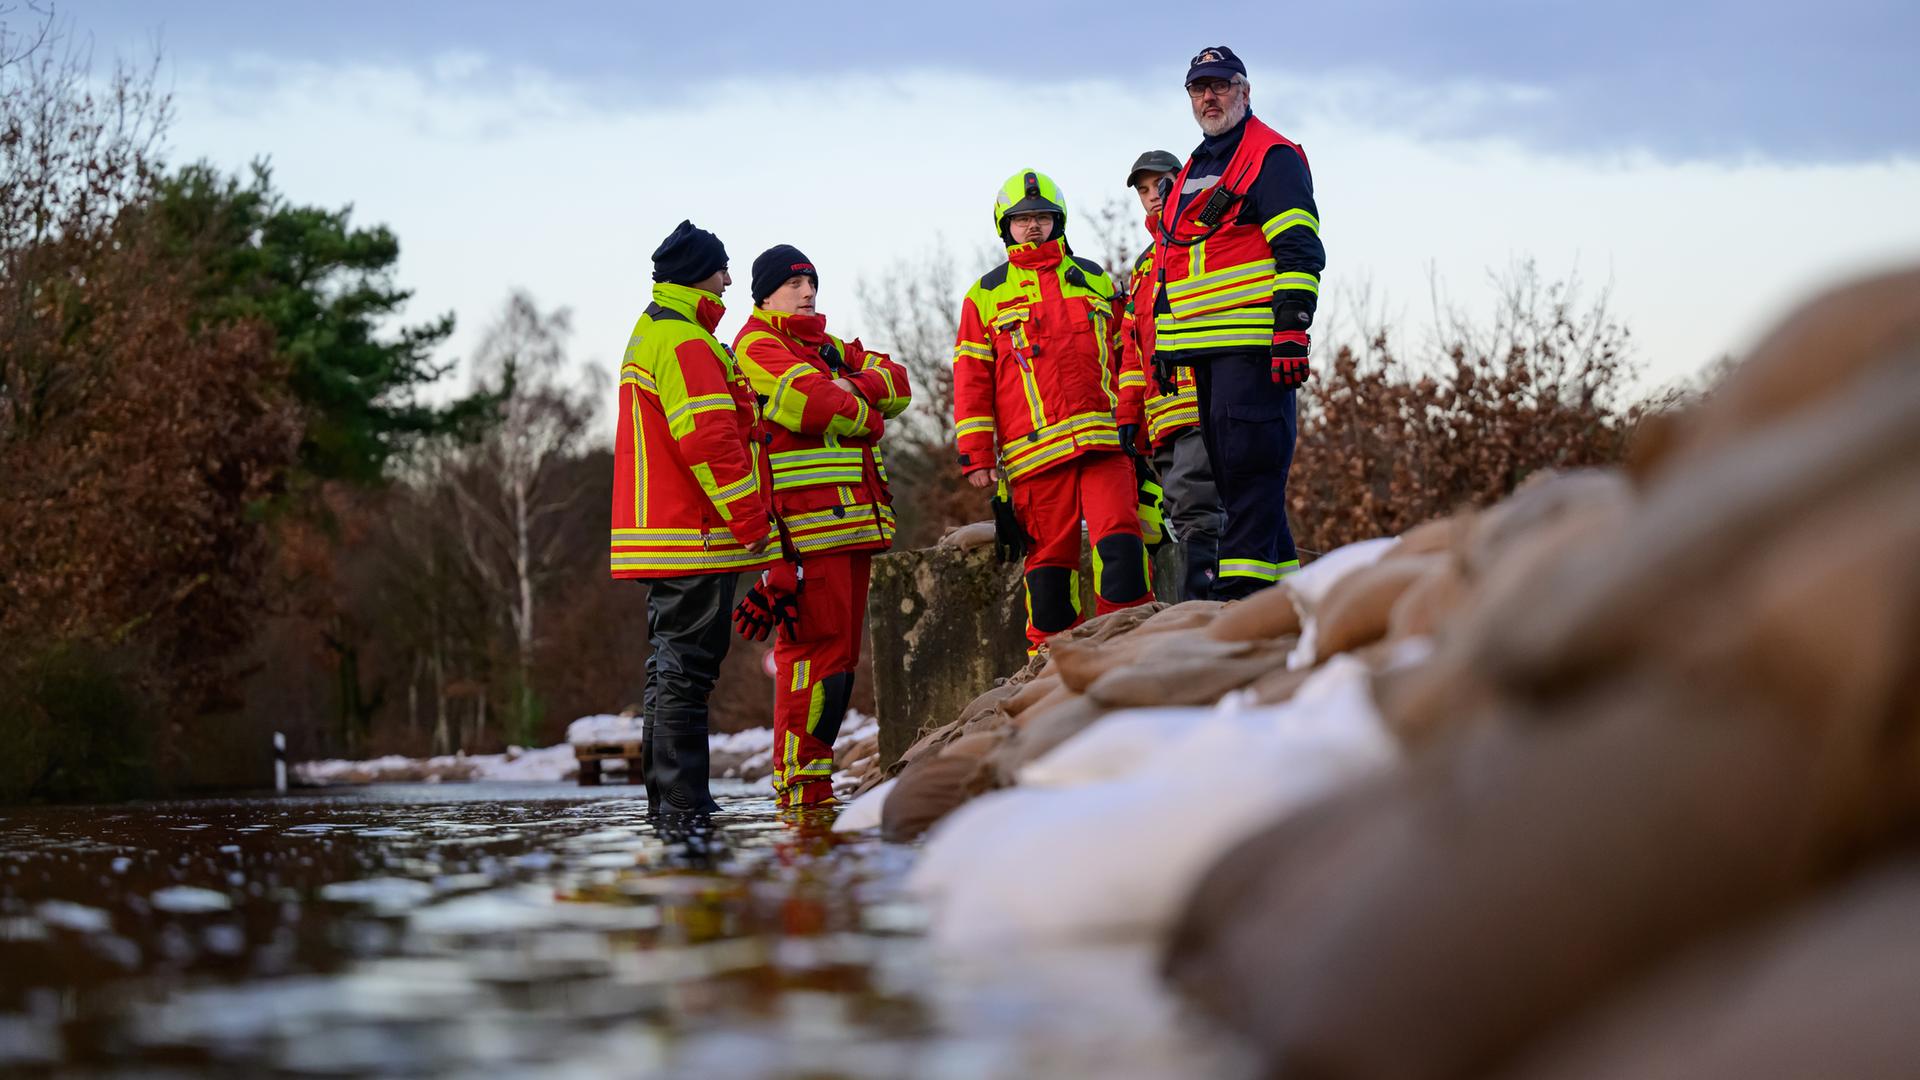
(813, 675)
(1097, 487)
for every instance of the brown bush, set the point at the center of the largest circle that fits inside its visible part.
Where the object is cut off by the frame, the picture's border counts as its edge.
(1385, 445)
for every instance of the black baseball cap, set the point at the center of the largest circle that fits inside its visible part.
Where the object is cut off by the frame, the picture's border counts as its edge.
(1214, 62)
(1153, 161)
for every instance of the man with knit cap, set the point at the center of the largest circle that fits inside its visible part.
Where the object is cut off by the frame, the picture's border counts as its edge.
(690, 505)
(1172, 432)
(825, 402)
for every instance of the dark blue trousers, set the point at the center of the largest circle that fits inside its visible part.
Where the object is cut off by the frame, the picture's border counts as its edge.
(1250, 426)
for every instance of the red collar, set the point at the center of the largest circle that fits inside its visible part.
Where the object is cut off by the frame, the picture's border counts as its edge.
(1037, 256)
(809, 329)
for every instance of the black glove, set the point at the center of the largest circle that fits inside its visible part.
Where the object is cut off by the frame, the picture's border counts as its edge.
(1163, 373)
(773, 601)
(1009, 539)
(1130, 439)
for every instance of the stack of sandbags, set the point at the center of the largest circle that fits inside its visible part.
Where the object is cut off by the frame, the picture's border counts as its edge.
(1667, 726)
(959, 759)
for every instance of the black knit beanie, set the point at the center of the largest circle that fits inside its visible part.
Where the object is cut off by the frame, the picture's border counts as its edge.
(775, 265)
(688, 256)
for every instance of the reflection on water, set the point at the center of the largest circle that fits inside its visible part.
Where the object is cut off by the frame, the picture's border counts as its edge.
(489, 929)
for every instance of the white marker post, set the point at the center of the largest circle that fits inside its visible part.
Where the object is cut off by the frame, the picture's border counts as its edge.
(280, 762)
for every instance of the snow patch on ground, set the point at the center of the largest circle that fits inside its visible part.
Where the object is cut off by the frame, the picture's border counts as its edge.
(740, 755)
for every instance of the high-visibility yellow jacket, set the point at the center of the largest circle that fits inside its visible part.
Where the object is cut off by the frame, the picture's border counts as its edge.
(689, 493)
(823, 452)
(1037, 363)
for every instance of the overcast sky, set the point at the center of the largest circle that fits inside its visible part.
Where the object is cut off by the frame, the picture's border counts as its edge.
(1711, 162)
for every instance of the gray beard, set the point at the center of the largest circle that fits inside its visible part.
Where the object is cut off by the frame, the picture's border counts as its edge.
(1233, 115)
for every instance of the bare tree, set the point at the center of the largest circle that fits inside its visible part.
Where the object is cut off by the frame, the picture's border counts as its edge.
(508, 488)
(1117, 228)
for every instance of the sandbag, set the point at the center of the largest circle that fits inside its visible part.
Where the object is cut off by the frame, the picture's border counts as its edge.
(1267, 614)
(1471, 904)
(1357, 607)
(1031, 692)
(1596, 496)
(1080, 663)
(1440, 536)
(927, 791)
(1827, 990)
(1278, 685)
(1419, 611)
(965, 537)
(1182, 616)
(1189, 679)
(1046, 730)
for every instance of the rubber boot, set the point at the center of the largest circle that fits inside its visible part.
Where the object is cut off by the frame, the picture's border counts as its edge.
(646, 763)
(677, 769)
(1203, 560)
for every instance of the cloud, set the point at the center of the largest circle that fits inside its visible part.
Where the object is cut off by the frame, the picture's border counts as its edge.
(1711, 80)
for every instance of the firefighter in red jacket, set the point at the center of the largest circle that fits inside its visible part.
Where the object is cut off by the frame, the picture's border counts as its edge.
(690, 506)
(1040, 408)
(1238, 259)
(1173, 409)
(824, 404)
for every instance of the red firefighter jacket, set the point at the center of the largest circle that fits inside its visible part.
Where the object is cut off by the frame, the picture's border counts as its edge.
(689, 493)
(1167, 414)
(1037, 367)
(823, 452)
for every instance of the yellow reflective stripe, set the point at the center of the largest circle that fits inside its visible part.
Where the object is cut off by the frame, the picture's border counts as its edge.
(815, 477)
(1224, 300)
(777, 401)
(680, 417)
(1217, 279)
(740, 489)
(1297, 279)
(785, 459)
(1132, 378)
(1032, 391)
(973, 350)
(738, 558)
(974, 425)
(636, 375)
(1253, 568)
(802, 675)
(1280, 223)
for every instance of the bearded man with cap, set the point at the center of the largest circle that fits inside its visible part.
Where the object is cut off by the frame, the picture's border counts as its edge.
(1237, 258)
(824, 403)
(1172, 433)
(690, 505)
(1041, 409)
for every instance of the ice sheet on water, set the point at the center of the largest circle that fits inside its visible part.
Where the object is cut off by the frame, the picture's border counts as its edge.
(188, 900)
(75, 917)
(383, 894)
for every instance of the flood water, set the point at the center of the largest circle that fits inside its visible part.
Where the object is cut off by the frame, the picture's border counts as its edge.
(525, 929)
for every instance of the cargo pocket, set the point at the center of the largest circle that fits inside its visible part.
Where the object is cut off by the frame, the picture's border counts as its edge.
(1258, 436)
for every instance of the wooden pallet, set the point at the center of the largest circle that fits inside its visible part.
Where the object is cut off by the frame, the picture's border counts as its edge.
(591, 755)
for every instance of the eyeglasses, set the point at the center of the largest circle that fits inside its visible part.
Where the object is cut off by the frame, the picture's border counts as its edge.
(1200, 88)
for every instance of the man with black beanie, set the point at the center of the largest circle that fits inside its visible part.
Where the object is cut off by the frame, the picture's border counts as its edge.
(690, 505)
(826, 402)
